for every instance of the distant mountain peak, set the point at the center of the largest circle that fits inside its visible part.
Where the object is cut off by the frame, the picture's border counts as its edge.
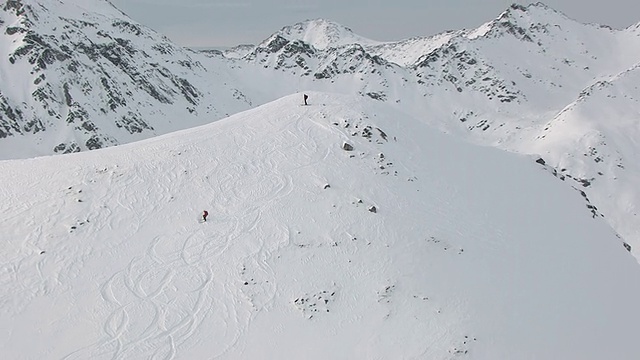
(323, 34)
(531, 7)
(522, 21)
(536, 12)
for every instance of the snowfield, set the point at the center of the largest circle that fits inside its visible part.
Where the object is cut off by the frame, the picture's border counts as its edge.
(412, 244)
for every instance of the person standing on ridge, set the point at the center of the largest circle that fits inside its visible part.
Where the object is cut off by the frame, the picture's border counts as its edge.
(305, 97)
(205, 213)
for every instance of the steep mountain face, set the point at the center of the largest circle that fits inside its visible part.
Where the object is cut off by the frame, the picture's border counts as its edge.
(406, 244)
(82, 76)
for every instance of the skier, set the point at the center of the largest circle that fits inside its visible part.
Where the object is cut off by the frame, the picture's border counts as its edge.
(305, 99)
(204, 215)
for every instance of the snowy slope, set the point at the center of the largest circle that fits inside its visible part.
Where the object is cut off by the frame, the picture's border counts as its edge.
(596, 148)
(471, 253)
(572, 103)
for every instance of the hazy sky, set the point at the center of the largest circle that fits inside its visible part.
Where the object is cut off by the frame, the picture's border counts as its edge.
(205, 23)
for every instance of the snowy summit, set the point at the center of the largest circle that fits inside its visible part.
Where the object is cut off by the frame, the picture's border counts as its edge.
(323, 34)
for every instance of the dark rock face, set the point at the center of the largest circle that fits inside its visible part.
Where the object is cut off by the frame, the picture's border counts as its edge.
(133, 123)
(464, 70)
(10, 119)
(66, 148)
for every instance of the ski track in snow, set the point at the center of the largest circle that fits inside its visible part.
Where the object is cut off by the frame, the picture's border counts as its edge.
(144, 303)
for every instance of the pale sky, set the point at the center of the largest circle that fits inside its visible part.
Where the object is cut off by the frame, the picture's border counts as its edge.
(219, 23)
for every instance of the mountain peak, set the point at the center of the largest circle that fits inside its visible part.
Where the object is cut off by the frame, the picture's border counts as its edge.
(538, 11)
(323, 34)
(522, 21)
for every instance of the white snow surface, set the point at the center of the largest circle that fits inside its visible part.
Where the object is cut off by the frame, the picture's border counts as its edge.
(472, 253)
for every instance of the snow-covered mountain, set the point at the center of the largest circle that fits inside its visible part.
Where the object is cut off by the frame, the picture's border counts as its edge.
(322, 34)
(512, 83)
(341, 230)
(80, 75)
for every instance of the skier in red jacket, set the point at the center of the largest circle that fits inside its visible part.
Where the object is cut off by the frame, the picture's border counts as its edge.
(205, 213)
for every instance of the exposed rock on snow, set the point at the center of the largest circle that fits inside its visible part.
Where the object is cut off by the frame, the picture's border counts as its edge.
(347, 147)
